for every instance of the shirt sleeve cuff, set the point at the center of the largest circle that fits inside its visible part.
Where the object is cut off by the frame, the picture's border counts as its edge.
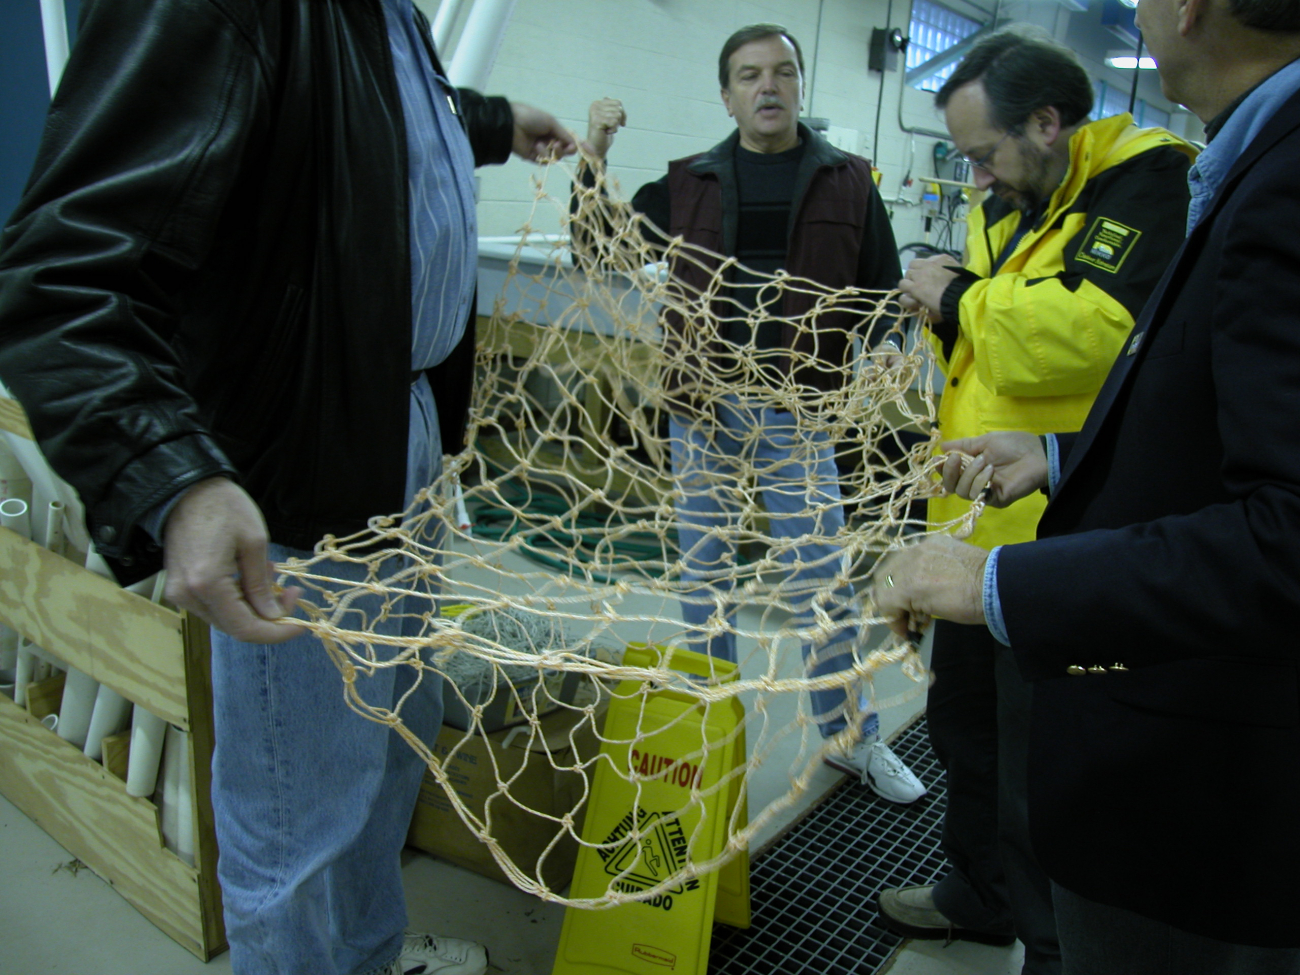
(155, 521)
(992, 604)
(1053, 450)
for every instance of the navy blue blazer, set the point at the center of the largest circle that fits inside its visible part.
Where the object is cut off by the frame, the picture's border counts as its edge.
(1158, 614)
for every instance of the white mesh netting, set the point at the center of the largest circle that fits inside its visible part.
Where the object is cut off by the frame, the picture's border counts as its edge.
(577, 548)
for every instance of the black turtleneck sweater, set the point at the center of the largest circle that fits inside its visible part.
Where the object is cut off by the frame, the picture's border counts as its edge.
(766, 187)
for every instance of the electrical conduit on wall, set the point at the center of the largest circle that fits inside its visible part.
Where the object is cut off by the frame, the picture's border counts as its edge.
(54, 21)
(476, 51)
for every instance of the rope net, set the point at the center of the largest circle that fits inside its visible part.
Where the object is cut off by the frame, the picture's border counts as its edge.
(584, 542)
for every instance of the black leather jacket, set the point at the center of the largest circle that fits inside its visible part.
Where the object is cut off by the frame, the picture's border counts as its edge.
(209, 270)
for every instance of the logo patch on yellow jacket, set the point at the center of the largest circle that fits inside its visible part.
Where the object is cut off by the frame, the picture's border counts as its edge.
(1107, 243)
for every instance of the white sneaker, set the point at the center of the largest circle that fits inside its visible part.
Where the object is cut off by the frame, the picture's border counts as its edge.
(423, 954)
(872, 761)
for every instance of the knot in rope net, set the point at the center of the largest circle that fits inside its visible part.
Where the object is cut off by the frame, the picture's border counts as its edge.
(666, 451)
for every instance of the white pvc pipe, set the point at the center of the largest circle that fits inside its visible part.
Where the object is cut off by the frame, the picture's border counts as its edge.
(111, 710)
(80, 691)
(54, 527)
(14, 516)
(476, 51)
(165, 796)
(109, 716)
(185, 800)
(176, 805)
(444, 22)
(54, 20)
(46, 487)
(148, 731)
(14, 482)
(52, 539)
(23, 669)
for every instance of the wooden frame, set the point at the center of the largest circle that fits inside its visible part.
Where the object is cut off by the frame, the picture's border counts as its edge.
(153, 657)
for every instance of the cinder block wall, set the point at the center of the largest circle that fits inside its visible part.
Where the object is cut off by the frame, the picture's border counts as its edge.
(660, 58)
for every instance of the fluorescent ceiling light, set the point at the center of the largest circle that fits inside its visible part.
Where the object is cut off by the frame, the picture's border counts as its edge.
(1127, 62)
(1129, 3)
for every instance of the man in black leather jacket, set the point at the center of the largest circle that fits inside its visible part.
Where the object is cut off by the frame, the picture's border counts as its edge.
(207, 309)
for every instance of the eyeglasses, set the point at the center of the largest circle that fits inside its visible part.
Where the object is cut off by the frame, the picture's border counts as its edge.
(984, 161)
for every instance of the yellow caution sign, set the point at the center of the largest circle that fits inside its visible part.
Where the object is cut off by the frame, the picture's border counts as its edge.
(650, 814)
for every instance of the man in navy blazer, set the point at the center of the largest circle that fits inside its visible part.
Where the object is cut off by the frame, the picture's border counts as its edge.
(1157, 612)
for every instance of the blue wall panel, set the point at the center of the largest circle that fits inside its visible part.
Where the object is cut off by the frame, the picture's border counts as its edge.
(24, 93)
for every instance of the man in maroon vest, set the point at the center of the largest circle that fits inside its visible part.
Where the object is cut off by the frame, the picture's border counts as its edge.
(775, 196)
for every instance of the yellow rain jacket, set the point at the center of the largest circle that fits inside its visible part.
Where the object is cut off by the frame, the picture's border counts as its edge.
(1028, 337)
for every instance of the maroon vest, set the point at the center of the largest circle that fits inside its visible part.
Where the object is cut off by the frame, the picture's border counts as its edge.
(825, 241)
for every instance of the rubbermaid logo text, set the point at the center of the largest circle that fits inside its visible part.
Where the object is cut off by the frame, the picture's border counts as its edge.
(655, 956)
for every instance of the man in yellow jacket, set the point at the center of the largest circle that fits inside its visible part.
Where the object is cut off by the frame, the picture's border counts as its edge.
(1079, 224)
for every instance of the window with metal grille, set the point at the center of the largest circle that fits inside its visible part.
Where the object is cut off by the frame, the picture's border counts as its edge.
(1148, 115)
(1111, 100)
(933, 30)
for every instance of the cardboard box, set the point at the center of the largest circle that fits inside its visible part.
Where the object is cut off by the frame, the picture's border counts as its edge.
(534, 782)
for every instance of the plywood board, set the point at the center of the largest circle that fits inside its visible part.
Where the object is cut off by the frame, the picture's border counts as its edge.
(198, 670)
(117, 753)
(13, 419)
(118, 638)
(86, 809)
(46, 696)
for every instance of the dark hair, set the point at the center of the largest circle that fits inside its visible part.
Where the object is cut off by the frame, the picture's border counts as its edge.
(1023, 69)
(754, 32)
(1279, 15)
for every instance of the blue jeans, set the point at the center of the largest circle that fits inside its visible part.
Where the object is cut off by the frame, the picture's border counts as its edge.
(312, 802)
(795, 472)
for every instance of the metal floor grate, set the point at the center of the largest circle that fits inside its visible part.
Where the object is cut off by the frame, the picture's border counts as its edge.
(814, 892)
